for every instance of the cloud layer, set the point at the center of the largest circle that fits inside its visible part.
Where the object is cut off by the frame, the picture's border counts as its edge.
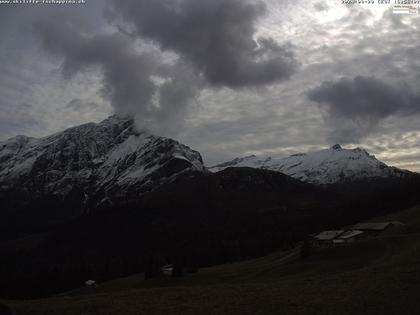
(217, 75)
(128, 74)
(216, 36)
(212, 44)
(362, 102)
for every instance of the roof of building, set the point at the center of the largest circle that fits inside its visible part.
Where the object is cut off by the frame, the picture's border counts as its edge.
(372, 226)
(328, 235)
(349, 234)
(167, 267)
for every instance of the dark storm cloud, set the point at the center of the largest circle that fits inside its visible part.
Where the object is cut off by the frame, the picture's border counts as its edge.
(216, 36)
(128, 75)
(176, 92)
(365, 97)
(357, 105)
(213, 42)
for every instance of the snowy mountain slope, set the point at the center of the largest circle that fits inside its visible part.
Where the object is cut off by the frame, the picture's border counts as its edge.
(322, 167)
(108, 156)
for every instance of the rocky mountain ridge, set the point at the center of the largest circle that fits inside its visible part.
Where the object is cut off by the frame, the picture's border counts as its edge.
(108, 158)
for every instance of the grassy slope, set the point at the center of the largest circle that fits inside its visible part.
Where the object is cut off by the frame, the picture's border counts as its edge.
(380, 275)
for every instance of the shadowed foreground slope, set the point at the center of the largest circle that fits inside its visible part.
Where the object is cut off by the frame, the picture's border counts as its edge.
(379, 275)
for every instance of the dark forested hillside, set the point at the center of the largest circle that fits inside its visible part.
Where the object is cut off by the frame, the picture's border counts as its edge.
(199, 219)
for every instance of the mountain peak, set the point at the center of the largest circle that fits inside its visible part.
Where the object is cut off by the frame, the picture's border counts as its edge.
(95, 157)
(336, 147)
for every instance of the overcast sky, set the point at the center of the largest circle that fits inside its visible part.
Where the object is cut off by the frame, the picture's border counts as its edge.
(227, 77)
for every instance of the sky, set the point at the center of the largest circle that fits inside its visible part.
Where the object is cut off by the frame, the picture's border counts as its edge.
(228, 78)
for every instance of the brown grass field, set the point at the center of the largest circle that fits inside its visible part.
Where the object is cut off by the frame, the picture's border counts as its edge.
(377, 275)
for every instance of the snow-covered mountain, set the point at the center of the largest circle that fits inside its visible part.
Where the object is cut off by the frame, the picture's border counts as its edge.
(328, 166)
(113, 159)
(106, 157)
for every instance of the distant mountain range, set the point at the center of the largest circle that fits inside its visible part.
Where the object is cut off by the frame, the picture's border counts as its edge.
(330, 166)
